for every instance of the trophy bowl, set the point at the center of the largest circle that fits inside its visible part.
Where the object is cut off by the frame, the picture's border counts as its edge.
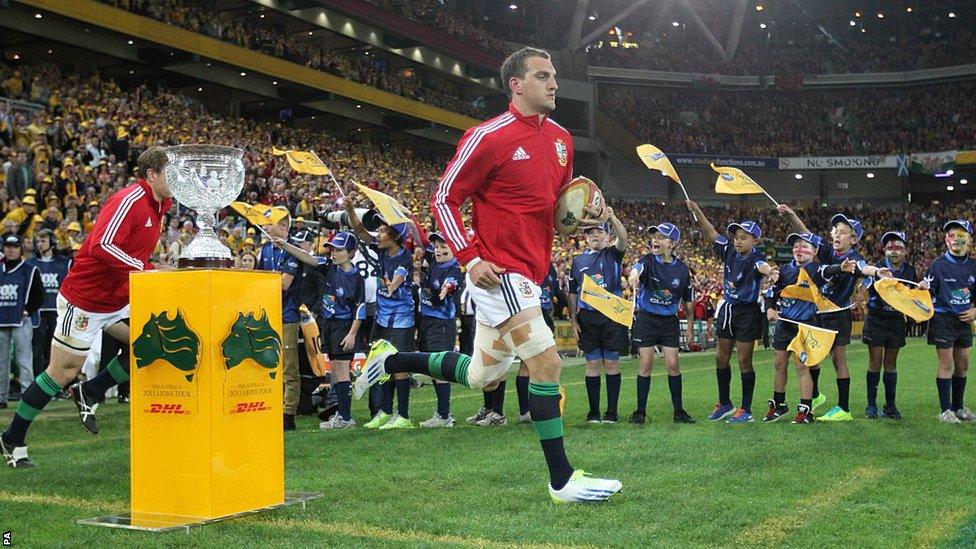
(205, 178)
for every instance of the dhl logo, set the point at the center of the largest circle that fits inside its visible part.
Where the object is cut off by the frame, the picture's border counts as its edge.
(166, 409)
(244, 407)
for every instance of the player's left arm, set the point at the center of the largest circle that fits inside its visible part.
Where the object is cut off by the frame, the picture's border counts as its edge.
(619, 230)
(873, 270)
(399, 277)
(969, 315)
(108, 238)
(766, 269)
(298, 253)
(450, 283)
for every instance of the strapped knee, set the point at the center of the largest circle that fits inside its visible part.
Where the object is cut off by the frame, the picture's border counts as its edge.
(492, 357)
(531, 338)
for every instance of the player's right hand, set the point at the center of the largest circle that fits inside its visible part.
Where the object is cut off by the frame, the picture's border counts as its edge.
(784, 209)
(576, 332)
(484, 274)
(772, 314)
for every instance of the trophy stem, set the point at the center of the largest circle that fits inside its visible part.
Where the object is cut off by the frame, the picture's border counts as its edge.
(205, 222)
(205, 251)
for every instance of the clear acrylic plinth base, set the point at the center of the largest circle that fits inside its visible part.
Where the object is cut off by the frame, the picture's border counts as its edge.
(172, 523)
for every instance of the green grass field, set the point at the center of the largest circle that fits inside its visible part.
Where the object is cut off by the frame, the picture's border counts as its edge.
(862, 484)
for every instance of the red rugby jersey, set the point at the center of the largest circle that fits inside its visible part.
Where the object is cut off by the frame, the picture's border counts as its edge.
(126, 232)
(512, 168)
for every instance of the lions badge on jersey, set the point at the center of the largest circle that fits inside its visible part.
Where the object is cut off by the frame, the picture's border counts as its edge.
(562, 152)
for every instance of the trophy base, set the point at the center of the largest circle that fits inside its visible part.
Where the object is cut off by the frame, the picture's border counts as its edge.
(205, 263)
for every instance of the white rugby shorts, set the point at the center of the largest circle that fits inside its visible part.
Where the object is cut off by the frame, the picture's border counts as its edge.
(515, 293)
(76, 328)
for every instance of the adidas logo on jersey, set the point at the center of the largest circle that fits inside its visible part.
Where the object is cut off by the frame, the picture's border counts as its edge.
(149, 222)
(520, 154)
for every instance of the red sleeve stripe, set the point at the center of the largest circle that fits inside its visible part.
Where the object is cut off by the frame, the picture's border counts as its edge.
(451, 227)
(113, 227)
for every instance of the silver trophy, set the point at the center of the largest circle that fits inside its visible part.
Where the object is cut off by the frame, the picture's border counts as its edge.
(205, 178)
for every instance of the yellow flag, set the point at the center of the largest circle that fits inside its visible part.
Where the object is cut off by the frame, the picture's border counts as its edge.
(654, 159)
(390, 210)
(915, 303)
(812, 345)
(806, 290)
(306, 162)
(259, 214)
(276, 151)
(734, 181)
(615, 308)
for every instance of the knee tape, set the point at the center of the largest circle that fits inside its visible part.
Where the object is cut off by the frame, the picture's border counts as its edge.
(531, 338)
(492, 357)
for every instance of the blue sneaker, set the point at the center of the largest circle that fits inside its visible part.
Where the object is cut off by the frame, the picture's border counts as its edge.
(741, 416)
(721, 412)
(871, 412)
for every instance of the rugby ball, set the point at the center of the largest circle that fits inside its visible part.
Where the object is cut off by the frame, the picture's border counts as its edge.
(573, 198)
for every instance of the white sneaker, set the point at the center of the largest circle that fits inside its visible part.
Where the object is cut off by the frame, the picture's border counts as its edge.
(524, 418)
(493, 420)
(948, 417)
(582, 488)
(482, 414)
(15, 456)
(373, 371)
(964, 414)
(437, 421)
(336, 422)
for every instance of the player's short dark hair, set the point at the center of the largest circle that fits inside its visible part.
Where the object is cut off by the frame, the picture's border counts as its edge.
(514, 66)
(153, 158)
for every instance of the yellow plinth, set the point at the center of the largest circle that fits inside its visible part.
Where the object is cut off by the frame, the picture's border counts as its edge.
(206, 404)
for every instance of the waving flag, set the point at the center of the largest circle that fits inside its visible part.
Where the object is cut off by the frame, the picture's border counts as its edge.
(613, 307)
(259, 214)
(306, 162)
(734, 181)
(811, 344)
(806, 290)
(913, 302)
(654, 159)
(390, 210)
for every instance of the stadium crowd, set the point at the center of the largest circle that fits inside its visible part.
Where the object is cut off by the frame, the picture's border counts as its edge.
(446, 16)
(82, 147)
(64, 160)
(797, 123)
(820, 56)
(372, 67)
